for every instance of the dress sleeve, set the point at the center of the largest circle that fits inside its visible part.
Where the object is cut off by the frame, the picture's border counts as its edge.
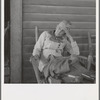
(72, 48)
(39, 44)
(75, 48)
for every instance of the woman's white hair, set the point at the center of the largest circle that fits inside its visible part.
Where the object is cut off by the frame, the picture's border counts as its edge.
(63, 26)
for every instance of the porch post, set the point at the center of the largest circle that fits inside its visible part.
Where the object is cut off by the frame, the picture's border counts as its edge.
(16, 41)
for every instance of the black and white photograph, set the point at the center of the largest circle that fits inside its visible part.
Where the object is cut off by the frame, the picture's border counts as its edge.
(50, 43)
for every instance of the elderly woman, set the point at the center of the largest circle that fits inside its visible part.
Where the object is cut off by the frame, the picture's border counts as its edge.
(50, 47)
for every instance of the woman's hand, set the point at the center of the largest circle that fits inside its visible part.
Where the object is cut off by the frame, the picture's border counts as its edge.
(69, 36)
(74, 57)
(31, 58)
(36, 57)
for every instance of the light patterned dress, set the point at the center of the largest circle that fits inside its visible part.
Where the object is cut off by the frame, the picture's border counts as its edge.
(45, 46)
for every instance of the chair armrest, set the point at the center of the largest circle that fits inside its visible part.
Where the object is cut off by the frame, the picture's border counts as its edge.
(35, 67)
(86, 61)
(83, 60)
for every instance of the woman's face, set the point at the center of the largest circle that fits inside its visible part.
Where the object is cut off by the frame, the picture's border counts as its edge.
(61, 33)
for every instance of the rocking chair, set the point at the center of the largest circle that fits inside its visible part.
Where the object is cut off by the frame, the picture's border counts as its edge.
(86, 61)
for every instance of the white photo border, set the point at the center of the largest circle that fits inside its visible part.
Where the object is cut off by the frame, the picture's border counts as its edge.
(48, 91)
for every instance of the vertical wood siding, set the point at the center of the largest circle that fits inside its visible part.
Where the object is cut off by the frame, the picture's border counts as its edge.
(46, 14)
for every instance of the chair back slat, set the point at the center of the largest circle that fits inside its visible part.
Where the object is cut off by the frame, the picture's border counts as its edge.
(90, 56)
(36, 33)
(90, 44)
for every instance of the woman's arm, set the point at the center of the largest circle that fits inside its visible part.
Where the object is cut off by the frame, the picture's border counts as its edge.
(72, 49)
(75, 48)
(39, 45)
(71, 46)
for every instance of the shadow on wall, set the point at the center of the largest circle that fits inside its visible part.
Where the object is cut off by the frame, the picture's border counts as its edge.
(7, 41)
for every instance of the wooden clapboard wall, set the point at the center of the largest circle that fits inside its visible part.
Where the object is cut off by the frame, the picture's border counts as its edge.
(46, 14)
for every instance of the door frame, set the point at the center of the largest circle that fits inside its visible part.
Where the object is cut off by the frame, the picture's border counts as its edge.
(16, 41)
